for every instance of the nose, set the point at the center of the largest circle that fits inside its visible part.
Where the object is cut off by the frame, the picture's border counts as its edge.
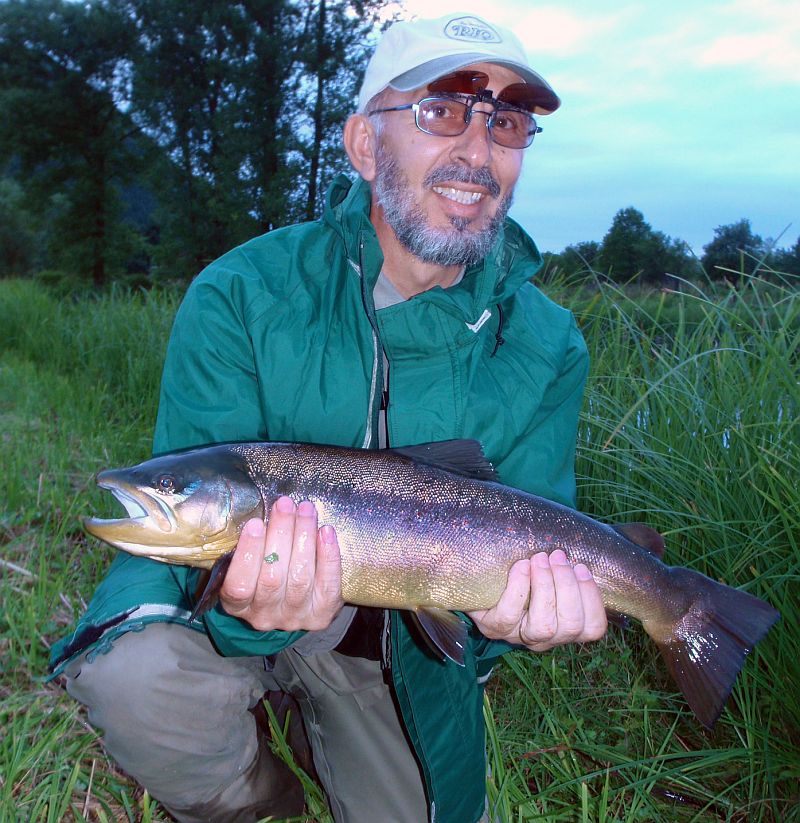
(474, 146)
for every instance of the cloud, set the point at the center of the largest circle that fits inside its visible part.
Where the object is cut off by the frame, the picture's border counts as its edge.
(770, 48)
(558, 31)
(772, 54)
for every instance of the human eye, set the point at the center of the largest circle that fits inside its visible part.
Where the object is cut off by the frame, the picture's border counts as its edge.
(444, 109)
(513, 122)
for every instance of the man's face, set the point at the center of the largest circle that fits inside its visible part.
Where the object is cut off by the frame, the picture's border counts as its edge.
(445, 198)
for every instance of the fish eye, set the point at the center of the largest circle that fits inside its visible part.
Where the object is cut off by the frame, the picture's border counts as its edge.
(165, 484)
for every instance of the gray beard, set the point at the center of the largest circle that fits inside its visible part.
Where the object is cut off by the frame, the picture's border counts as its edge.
(444, 247)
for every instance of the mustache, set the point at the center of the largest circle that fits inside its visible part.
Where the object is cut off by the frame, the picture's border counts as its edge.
(456, 173)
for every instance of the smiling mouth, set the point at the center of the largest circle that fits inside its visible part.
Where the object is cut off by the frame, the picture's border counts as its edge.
(464, 198)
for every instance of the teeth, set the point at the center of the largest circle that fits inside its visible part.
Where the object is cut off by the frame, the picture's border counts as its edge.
(466, 198)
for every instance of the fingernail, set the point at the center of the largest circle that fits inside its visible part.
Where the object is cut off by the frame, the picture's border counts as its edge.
(327, 534)
(306, 509)
(582, 572)
(254, 528)
(541, 560)
(558, 558)
(285, 505)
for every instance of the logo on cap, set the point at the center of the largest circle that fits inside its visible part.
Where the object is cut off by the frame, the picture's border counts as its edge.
(471, 29)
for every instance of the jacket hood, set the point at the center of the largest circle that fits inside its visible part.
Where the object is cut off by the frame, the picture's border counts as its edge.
(513, 261)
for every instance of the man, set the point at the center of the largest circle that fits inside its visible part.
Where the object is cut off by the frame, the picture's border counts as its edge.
(403, 316)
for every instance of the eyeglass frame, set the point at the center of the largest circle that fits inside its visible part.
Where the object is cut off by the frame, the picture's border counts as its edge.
(483, 96)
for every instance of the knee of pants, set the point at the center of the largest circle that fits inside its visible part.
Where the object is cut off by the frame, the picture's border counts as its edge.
(163, 678)
(175, 715)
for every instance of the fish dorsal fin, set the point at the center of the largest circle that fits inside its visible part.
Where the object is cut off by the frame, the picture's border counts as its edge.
(464, 457)
(445, 632)
(642, 535)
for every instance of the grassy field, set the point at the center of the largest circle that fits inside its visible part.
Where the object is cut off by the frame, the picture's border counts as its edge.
(691, 423)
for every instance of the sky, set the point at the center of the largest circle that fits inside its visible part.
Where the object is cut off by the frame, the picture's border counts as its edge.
(686, 110)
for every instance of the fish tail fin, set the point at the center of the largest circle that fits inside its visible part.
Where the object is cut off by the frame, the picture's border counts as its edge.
(706, 649)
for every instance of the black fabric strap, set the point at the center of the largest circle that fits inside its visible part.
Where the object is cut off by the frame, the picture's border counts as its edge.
(363, 637)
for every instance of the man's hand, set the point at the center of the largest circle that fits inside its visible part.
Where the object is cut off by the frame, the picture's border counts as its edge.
(546, 603)
(286, 575)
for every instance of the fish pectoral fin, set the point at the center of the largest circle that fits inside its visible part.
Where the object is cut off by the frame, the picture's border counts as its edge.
(215, 578)
(642, 535)
(464, 457)
(444, 631)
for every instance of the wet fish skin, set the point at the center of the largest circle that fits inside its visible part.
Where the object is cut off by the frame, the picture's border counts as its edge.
(417, 536)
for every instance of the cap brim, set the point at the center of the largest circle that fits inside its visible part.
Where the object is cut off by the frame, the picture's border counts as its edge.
(434, 69)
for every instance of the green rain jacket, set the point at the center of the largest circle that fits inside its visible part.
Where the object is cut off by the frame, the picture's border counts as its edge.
(279, 340)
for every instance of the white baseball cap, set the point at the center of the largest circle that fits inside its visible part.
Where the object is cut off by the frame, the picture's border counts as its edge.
(412, 54)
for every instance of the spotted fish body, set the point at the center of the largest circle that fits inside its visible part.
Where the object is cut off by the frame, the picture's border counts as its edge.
(430, 529)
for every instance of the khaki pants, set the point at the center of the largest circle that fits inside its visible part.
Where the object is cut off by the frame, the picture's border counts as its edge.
(176, 716)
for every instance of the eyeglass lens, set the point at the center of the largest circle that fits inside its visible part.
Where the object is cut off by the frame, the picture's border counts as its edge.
(448, 117)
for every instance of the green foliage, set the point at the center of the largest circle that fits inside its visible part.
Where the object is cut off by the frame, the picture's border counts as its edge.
(690, 423)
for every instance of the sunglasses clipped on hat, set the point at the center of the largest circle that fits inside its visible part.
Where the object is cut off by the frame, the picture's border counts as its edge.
(447, 110)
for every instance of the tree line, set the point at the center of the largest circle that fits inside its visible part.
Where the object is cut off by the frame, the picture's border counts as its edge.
(632, 251)
(140, 139)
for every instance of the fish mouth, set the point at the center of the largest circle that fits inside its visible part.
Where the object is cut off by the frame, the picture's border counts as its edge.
(147, 513)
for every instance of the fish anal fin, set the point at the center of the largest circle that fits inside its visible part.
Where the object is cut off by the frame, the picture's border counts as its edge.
(464, 457)
(642, 535)
(213, 581)
(444, 631)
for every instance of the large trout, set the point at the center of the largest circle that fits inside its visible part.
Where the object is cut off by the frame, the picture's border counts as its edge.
(430, 529)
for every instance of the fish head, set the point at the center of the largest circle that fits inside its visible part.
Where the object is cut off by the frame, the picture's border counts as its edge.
(185, 508)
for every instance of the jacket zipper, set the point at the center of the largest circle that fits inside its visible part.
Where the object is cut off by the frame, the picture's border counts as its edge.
(374, 389)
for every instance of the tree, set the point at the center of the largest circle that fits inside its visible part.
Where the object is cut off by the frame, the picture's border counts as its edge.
(274, 112)
(63, 84)
(787, 261)
(631, 249)
(17, 238)
(735, 251)
(186, 84)
(333, 62)
(574, 259)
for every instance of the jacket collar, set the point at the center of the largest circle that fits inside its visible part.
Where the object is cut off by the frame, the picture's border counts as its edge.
(512, 262)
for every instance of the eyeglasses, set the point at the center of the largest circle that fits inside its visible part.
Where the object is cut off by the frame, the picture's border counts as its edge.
(448, 111)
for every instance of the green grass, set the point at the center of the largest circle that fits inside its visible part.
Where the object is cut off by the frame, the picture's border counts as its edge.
(690, 424)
